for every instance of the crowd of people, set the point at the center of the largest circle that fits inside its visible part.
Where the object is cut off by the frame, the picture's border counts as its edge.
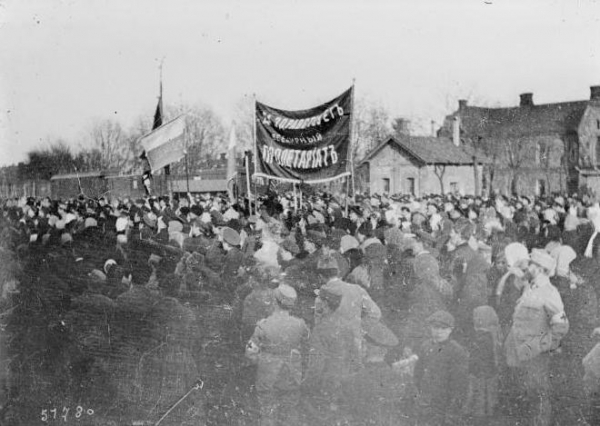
(440, 310)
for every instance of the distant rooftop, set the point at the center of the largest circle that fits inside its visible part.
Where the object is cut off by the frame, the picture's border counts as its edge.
(430, 150)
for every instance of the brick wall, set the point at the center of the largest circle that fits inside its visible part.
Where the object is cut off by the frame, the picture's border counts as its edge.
(401, 171)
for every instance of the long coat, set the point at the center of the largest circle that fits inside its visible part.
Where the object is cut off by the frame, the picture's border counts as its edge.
(281, 339)
(468, 274)
(441, 377)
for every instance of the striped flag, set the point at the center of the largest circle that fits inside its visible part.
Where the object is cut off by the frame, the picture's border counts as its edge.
(166, 144)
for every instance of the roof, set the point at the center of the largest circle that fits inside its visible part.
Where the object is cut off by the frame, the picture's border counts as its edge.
(78, 175)
(521, 121)
(430, 150)
(204, 185)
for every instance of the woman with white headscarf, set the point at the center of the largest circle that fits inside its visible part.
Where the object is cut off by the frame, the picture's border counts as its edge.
(510, 286)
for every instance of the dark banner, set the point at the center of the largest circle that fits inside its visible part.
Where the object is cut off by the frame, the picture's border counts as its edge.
(309, 146)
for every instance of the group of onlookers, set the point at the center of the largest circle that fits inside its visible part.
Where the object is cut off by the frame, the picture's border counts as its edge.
(444, 310)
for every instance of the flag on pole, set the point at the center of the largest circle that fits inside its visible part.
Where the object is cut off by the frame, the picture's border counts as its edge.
(231, 166)
(166, 144)
(158, 114)
(156, 123)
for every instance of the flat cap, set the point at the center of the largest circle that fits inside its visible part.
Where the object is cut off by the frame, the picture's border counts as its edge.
(286, 295)
(441, 319)
(231, 236)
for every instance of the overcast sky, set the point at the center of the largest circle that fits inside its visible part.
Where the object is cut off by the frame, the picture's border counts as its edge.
(64, 64)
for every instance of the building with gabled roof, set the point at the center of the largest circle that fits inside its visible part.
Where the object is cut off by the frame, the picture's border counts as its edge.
(421, 165)
(534, 148)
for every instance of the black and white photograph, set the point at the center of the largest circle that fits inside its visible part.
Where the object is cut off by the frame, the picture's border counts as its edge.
(299, 213)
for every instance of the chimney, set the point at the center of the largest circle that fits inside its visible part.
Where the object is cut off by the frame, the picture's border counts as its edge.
(456, 131)
(433, 131)
(595, 93)
(526, 99)
(401, 126)
(462, 104)
(222, 157)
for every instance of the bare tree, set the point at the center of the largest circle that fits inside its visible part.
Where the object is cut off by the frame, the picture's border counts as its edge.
(440, 171)
(204, 134)
(516, 155)
(108, 137)
(244, 124)
(371, 127)
(43, 163)
(88, 160)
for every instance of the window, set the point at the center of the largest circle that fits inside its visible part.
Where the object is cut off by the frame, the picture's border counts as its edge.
(386, 185)
(135, 184)
(454, 187)
(598, 150)
(541, 152)
(541, 187)
(597, 124)
(410, 186)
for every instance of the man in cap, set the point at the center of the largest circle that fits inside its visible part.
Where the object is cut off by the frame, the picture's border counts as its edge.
(356, 219)
(355, 304)
(539, 323)
(428, 292)
(467, 272)
(373, 395)
(277, 346)
(441, 374)
(234, 258)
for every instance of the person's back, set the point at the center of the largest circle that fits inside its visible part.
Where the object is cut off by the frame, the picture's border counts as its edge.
(277, 346)
(355, 301)
(258, 305)
(375, 394)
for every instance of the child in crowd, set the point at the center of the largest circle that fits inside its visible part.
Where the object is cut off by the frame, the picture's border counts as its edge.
(485, 351)
(441, 375)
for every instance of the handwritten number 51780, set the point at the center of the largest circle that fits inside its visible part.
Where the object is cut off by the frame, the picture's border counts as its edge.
(50, 414)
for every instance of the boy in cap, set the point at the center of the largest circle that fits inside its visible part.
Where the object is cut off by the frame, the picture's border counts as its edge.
(373, 395)
(277, 346)
(234, 258)
(441, 374)
(467, 272)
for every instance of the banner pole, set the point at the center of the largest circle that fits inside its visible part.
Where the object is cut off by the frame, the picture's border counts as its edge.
(352, 140)
(347, 194)
(248, 182)
(255, 151)
(295, 199)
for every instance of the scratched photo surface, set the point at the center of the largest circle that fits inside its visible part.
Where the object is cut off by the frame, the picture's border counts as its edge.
(299, 213)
